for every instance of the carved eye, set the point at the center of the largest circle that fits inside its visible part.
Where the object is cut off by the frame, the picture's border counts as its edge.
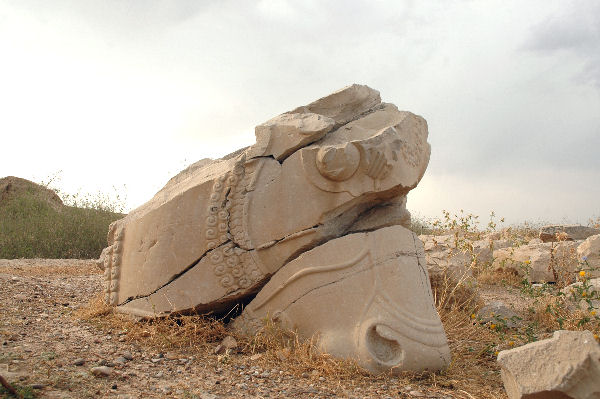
(338, 163)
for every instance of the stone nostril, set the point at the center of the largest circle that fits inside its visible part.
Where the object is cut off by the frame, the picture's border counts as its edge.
(383, 344)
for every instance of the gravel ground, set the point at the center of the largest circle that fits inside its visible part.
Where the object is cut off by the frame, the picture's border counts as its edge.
(44, 345)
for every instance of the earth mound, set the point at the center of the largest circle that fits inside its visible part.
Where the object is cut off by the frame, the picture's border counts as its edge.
(12, 187)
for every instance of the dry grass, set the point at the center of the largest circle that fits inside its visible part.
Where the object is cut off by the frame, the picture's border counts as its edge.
(273, 347)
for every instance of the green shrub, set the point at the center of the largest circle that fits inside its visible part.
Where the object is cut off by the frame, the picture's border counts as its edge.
(31, 227)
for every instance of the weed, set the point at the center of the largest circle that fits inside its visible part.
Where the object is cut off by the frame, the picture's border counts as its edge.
(25, 391)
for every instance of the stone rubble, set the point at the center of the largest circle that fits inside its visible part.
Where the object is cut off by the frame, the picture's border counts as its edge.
(560, 232)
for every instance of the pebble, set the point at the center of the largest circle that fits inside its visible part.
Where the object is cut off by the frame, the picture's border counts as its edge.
(120, 360)
(159, 374)
(101, 371)
(127, 355)
(79, 362)
(417, 394)
(37, 386)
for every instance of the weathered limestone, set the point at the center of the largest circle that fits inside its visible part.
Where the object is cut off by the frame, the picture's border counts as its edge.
(586, 296)
(220, 228)
(543, 262)
(446, 256)
(483, 250)
(455, 257)
(564, 366)
(588, 253)
(498, 313)
(560, 232)
(364, 294)
(317, 202)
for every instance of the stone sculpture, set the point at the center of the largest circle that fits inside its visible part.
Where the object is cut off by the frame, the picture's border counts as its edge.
(219, 230)
(368, 297)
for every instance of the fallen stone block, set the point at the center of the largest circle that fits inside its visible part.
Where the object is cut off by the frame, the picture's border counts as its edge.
(561, 232)
(498, 313)
(541, 263)
(588, 253)
(564, 366)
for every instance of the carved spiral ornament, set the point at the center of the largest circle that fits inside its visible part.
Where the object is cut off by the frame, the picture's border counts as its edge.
(338, 163)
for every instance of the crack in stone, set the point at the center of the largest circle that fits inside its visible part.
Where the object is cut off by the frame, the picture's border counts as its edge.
(380, 262)
(173, 278)
(336, 127)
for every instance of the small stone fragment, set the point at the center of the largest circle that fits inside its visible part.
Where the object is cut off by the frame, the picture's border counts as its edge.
(120, 360)
(498, 313)
(226, 345)
(79, 362)
(101, 371)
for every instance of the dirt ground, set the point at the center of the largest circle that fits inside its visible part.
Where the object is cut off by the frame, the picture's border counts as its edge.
(44, 345)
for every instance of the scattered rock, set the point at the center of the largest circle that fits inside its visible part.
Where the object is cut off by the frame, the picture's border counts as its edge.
(539, 262)
(483, 250)
(445, 255)
(127, 355)
(226, 345)
(564, 366)
(559, 232)
(586, 296)
(283, 354)
(588, 253)
(498, 313)
(120, 360)
(101, 371)
(79, 362)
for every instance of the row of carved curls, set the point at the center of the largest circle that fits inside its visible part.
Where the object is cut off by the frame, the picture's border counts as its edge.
(112, 267)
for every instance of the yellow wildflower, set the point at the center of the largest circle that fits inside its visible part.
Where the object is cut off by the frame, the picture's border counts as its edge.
(584, 293)
(511, 343)
(472, 315)
(496, 353)
(582, 273)
(593, 313)
(596, 336)
(527, 262)
(493, 326)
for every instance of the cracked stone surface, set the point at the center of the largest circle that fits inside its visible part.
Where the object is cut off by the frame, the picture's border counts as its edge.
(564, 366)
(220, 229)
(366, 295)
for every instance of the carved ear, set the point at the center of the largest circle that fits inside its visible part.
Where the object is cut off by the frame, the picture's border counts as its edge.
(284, 134)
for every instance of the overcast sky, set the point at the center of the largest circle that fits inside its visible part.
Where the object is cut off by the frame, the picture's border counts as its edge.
(127, 93)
